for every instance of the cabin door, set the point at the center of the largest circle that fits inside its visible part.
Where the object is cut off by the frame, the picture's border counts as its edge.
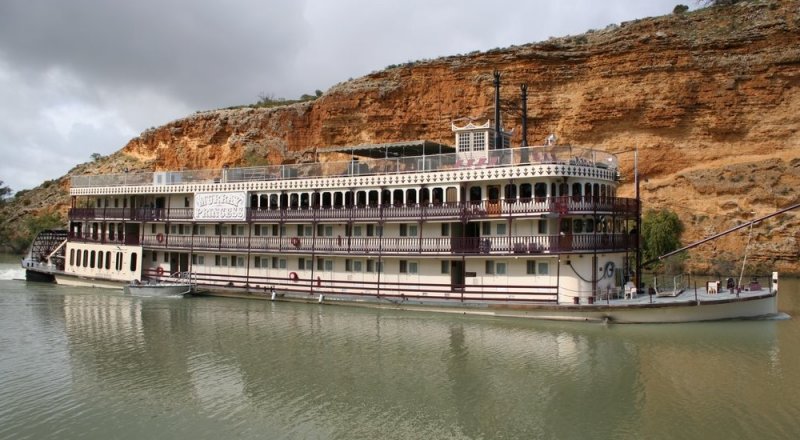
(493, 200)
(178, 262)
(465, 238)
(456, 275)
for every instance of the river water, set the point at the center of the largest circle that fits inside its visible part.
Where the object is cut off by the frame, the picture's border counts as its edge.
(87, 363)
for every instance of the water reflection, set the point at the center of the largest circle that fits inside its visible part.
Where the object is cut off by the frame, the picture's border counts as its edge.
(212, 366)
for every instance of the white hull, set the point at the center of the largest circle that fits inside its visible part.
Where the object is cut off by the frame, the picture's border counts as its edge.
(726, 307)
(72, 280)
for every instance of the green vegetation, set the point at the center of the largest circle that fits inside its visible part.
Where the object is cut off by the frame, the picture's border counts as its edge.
(18, 241)
(4, 193)
(680, 9)
(268, 100)
(661, 233)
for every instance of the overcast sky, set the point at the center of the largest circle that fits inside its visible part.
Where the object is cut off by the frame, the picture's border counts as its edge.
(85, 76)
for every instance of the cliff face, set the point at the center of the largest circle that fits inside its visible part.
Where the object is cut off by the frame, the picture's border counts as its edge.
(710, 99)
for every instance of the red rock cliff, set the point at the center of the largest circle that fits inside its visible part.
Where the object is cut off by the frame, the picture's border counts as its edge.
(710, 98)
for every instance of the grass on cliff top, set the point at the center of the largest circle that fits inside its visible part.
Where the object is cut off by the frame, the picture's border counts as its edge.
(268, 100)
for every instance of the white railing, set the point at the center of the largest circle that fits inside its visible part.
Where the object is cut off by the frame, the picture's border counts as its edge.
(564, 155)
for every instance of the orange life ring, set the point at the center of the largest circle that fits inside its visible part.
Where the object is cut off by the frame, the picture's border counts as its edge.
(293, 276)
(159, 271)
(160, 237)
(296, 242)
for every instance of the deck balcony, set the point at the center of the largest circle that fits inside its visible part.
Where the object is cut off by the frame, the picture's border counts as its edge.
(483, 209)
(431, 246)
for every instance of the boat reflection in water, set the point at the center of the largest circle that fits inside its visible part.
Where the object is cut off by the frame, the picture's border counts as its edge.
(300, 370)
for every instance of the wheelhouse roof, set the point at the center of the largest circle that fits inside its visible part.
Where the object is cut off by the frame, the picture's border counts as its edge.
(392, 149)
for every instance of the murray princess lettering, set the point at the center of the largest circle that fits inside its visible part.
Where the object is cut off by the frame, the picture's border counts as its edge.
(220, 206)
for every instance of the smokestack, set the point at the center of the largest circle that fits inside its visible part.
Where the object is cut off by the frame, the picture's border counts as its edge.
(524, 89)
(498, 138)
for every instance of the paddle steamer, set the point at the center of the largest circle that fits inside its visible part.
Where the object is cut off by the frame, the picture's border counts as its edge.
(478, 227)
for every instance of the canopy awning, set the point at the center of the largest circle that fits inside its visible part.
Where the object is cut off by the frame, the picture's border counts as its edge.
(393, 149)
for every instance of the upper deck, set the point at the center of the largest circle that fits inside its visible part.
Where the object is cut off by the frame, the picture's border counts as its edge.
(542, 160)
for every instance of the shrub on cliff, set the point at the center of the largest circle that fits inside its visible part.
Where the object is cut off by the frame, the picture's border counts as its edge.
(661, 233)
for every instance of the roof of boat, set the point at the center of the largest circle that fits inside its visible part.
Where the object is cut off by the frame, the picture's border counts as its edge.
(392, 149)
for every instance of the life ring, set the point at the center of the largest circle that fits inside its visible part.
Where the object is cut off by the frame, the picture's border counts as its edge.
(160, 237)
(609, 269)
(293, 276)
(159, 271)
(295, 242)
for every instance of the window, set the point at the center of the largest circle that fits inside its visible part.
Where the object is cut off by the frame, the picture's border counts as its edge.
(478, 142)
(348, 265)
(487, 228)
(501, 229)
(357, 266)
(530, 267)
(173, 229)
(92, 259)
(463, 141)
(445, 229)
(108, 260)
(72, 257)
(118, 262)
(356, 231)
(86, 258)
(445, 266)
(153, 228)
(370, 230)
(154, 258)
(186, 202)
(577, 227)
(543, 226)
(303, 264)
(198, 260)
(278, 263)
(500, 268)
(408, 267)
(324, 265)
(257, 230)
(199, 230)
(489, 269)
(166, 257)
(370, 266)
(133, 262)
(408, 230)
(544, 268)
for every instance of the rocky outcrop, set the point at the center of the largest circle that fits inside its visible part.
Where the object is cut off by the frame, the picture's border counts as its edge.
(710, 99)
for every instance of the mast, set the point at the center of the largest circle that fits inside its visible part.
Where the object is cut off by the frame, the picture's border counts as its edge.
(498, 138)
(524, 90)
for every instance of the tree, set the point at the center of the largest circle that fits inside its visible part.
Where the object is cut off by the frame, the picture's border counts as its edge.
(4, 193)
(680, 9)
(661, 233)
(21, 240)
(96, 156)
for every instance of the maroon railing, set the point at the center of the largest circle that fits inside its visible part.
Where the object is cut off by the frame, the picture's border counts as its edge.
(454, 210)
(320, 283)
(533, 244)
